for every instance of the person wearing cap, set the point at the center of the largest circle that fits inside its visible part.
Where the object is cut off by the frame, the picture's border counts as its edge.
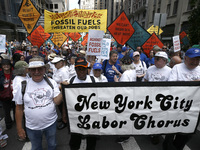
(160, 71)
(6, 79)
(97, 70)
(112, 66)
(140, 66)
(20, 72)
(81, 66)
(82, 53)
(52, 68)
(62, 74)
(189, 70)
(123, 52)
(156, 49)
(39, 106)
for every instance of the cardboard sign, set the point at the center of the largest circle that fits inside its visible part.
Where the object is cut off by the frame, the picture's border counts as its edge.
(85, 40)
(139, 36)
(132, 109)
(74, 36)
(94, 42)
(105, 48)
(121, 29)
(35, 38)
(148, 45)
(154, 29)
(2, 43)
(58, 39)
(28, 14)
(176, 43)
(76, 20)
(44, 35)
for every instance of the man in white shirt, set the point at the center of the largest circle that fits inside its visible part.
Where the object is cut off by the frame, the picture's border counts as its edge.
(81, 66)
(187, 71)
(160, 71)
(38, 104)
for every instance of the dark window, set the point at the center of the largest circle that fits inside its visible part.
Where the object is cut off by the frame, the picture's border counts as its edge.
(175, 7)
(143, 24)
(51, 6)
(56, 6)
(168, 10)
(158, 10)
(56, 11)
(154, 2)
(189, 5)
(144, 14)
(47, 5)
(144, 2)
(153, 13)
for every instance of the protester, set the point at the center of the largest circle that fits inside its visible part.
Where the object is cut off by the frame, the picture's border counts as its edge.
(71, 67)
(38, 103)
(20, 72)
(174, 60)
(81, 66)
(59, 76)
(150, 60)
(129, 72)
(123, 52)
(97, 70)
(158, 72)
(6, 79)
(143, 57)
(140, 66)
(156, 49)
(111, 67)
(189, 70)
(34, 52)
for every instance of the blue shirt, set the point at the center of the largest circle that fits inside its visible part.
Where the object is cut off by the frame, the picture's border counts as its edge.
(109, 72)
(150, 62)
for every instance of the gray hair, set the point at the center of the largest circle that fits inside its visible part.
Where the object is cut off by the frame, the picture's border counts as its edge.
(20, 71)
(127, 67)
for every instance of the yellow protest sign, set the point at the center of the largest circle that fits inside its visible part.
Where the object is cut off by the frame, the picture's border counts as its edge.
(76, 20)
(58, 39)
(154, 29)
(28, 15)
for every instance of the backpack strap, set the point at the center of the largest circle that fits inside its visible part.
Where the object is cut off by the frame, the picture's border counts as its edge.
(92, 78)
(48, 81)
(72, 80)
(104, 69)
(24, 83)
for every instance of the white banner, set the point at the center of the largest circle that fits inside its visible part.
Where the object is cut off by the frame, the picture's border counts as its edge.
(105, 48)
(124, 109)
(2, 43)
(176, 43)
(94, 42)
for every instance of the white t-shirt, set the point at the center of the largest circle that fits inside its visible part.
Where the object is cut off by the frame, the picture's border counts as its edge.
(72, 71)
(128, 76)
(52, 66)
(102, 78)
(180, 72)
(157, 74)
(87, 80)
(140, 68)
(61, 74)
(17, 83)
(39, 108)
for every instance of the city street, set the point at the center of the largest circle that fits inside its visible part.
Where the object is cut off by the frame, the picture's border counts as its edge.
(103, 143)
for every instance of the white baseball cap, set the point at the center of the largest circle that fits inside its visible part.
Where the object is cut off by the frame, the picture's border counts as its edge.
(161, 54)
(57, 59)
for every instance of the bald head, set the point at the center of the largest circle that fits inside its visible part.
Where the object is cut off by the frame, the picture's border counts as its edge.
(174, 60)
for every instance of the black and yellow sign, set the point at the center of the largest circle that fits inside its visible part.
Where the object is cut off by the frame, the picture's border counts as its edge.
(28, 15)
(58, 39)
(76, 20)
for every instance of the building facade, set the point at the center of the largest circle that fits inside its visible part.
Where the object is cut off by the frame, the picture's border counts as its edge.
(177, 12)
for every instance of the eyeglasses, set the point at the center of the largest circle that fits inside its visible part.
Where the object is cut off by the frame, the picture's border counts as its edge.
(38, 69)
(34, 51)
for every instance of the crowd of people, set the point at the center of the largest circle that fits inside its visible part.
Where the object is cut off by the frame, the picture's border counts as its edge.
(33, 76)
